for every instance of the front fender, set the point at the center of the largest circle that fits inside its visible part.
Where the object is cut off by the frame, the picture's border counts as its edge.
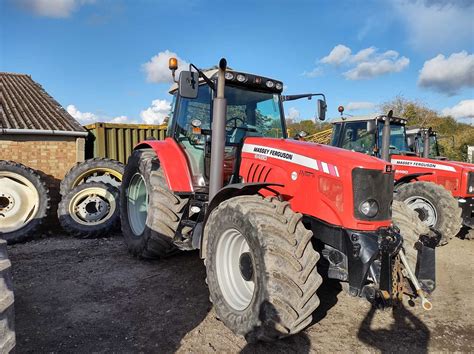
(173, 161)
(410, 177)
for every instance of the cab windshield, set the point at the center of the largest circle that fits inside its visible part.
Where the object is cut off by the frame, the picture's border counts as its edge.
(249, 113)
(398, 141)
(434, 151)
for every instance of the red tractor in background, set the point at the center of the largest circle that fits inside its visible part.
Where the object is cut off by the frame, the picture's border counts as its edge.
(269, 214)
(440, 191)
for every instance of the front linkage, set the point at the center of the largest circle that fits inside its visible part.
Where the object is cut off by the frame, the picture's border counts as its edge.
(374, 263)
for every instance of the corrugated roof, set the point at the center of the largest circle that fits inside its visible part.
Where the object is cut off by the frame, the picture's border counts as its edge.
(24, 104)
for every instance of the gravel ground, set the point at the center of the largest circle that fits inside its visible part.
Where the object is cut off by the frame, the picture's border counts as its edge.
(91, 296)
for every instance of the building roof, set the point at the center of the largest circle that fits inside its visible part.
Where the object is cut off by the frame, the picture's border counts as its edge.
(24, 104)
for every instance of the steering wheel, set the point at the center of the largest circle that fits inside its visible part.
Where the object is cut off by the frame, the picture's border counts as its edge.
(235, 120)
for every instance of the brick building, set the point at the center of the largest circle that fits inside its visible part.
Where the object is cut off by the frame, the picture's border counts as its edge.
(36, 131)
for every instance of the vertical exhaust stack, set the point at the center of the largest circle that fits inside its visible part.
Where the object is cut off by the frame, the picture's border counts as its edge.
(386, 137)
(426, 143)
(216, 178)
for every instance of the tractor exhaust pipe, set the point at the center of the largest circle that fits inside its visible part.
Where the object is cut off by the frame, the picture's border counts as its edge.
(426, 143)
(385, 154)
(216, 178)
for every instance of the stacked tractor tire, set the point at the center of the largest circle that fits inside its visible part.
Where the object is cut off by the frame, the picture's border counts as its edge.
(89, 204)
(89, 199)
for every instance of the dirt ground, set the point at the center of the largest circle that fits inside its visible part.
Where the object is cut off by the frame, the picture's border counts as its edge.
(90, 296)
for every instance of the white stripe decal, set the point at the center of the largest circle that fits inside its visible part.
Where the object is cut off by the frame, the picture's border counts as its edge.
(264, 151)
(325, 167)
(422, 164)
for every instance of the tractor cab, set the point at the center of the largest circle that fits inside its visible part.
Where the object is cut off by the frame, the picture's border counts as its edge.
(253, 109)
(364, 134)
(416, 141)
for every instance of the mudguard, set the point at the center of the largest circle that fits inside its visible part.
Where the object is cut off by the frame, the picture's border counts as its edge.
(410, 177)
(174, 163)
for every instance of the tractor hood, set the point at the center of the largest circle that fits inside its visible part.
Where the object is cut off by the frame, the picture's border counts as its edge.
(312, 155)
(427, 165)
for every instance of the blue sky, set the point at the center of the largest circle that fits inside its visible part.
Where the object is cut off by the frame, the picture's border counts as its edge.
(91, 55)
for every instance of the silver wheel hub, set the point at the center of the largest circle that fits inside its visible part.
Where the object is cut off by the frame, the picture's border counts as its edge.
(424, 208)
(92, 206)
(19, 201)
(235, 269)
(137, 204)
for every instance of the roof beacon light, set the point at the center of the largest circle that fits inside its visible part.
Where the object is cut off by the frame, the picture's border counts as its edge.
(173, 63)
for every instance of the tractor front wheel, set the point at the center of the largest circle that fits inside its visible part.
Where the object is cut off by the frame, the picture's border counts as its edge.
(435, 206)
(261, 268)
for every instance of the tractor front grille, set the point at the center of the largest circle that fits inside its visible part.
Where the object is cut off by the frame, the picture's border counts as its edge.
(372, 184)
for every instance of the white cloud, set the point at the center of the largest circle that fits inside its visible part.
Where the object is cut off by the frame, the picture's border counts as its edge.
(313, 73)
(337, 56)
(293, 114)
(156, 114)
(367, 63)
(82, 117)
(358, 106)
(89, 117)
(377, 67)
(363, 54)
(448, 75)
(52, 8)
(464, 109)
(157, 69)
(435, 25)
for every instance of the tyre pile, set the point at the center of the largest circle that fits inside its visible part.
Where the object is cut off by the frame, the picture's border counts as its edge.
(89, 205)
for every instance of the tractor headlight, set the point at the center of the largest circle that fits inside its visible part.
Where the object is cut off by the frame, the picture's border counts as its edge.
(278, 86)
(270, 84)
(241, 78)
(228, 75)
(369, 208)
(471, 189)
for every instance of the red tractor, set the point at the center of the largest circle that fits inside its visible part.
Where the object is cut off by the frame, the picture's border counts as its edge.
(269, 214)
(440, 191)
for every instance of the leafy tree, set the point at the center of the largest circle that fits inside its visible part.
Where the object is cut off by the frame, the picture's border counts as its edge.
(453, 136)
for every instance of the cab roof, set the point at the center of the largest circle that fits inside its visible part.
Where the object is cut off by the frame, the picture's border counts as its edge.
(367, 118)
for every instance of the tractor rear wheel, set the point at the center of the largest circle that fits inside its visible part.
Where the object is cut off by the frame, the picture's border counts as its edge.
(24, 201)
(261, 267)
(411, 228)
(93, 170)
(436, 207)
(149, 211)
(90, 210)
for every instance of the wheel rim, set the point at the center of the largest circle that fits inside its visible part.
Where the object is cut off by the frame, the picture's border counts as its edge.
(424, 208)
(235, 270)
(92, 206)
(137, 204)
(19, 201)
(99, 174)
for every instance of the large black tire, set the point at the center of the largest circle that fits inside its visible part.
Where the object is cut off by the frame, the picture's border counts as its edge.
(448, 219)
(7, 311)
(411, 228)
(283, 267)
(83, 172)
(90, 210)
(164, 209)
(15, 174)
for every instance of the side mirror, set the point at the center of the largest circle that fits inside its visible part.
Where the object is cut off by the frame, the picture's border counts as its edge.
(301, 135)
(371, 126)
(188, 84)
(322, 107)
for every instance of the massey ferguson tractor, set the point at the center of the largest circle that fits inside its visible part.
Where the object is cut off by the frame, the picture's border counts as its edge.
(266, 212)
(440, 191)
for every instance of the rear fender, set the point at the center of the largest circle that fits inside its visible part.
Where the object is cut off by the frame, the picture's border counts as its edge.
(173, 161)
